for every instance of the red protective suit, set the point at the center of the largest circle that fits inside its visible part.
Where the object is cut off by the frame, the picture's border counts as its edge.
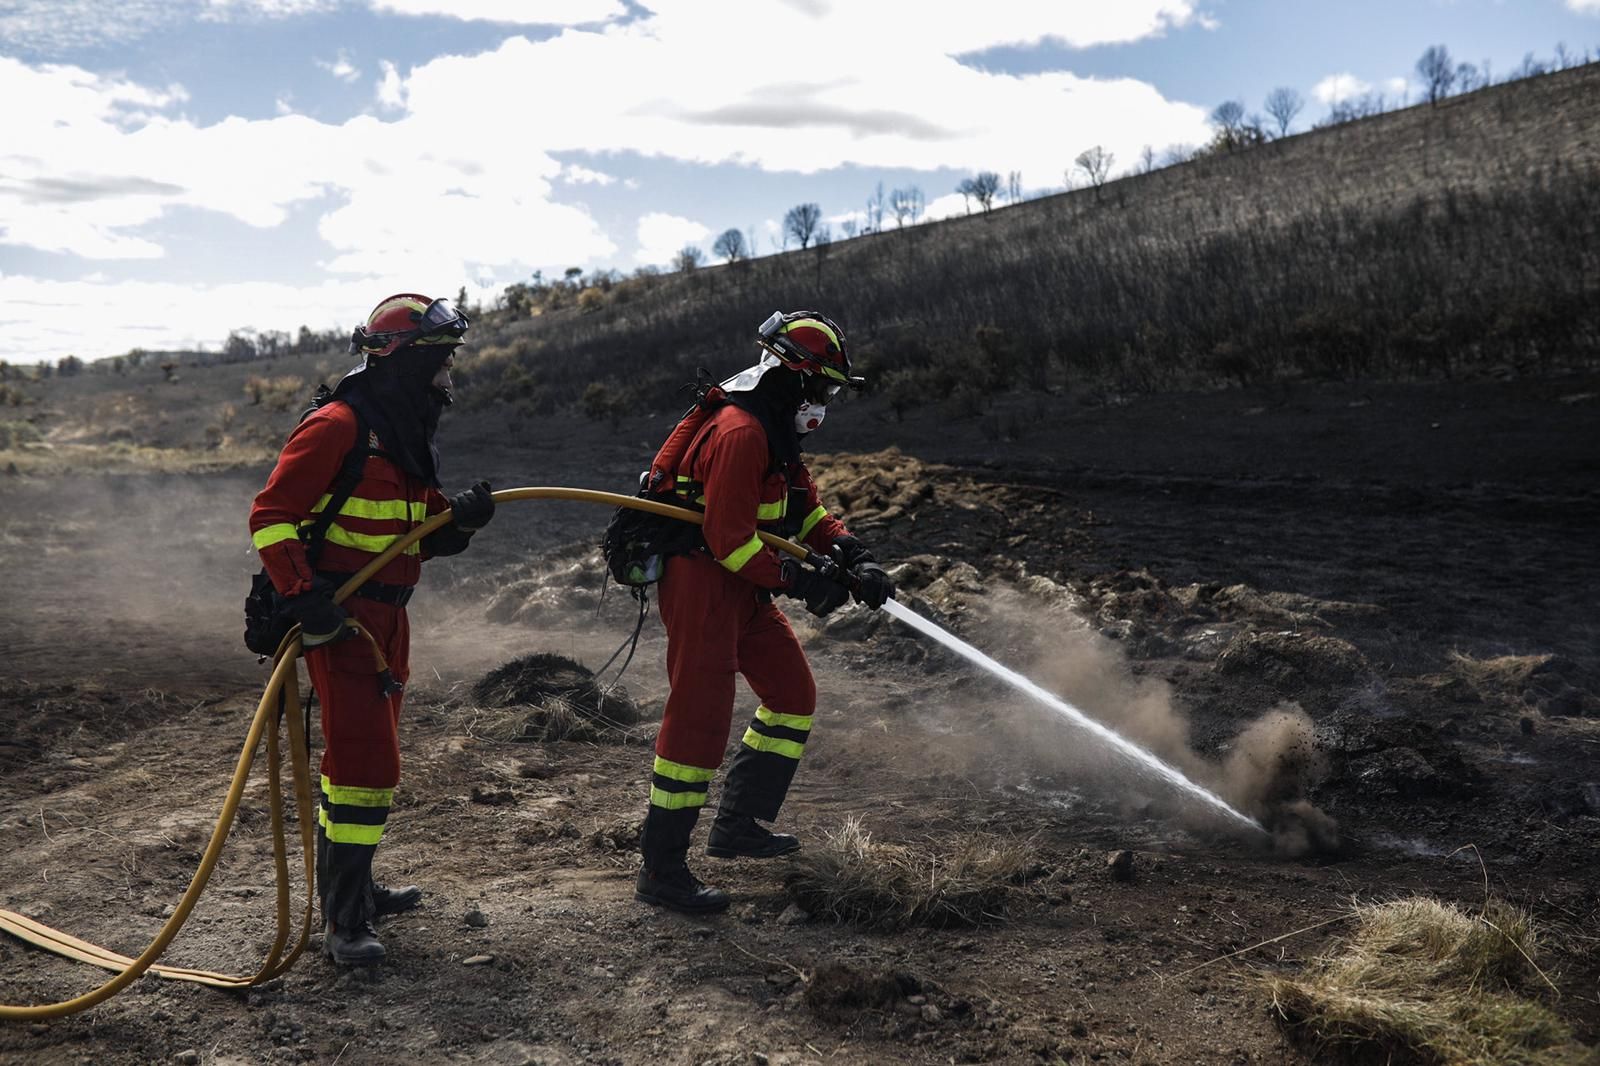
(718, 612)
(360, 725)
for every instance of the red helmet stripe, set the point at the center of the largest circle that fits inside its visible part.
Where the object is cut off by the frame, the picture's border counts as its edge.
(391, 304)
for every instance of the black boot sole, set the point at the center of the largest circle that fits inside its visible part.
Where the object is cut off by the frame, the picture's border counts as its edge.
(329, 954)
(681, 908)
(718, 852)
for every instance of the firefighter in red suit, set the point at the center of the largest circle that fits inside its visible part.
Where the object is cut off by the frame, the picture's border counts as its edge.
(743, 467)
(397, 394)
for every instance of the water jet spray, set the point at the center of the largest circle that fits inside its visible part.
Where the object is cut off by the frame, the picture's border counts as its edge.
(1140, 759)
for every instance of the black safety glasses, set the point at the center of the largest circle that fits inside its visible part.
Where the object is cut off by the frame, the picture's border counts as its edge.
(819, 389)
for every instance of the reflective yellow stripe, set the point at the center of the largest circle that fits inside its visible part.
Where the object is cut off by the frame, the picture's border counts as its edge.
(676, 801)
(788, 721)
(440, 338)
(790, 748)
(367, 542)
(682, 772)
(340, 833)
(736, 559)
(267, 536)
(816, 324)
(685, 489)
(354, 796)
(769, 512)
(356, 507)
(811, 521)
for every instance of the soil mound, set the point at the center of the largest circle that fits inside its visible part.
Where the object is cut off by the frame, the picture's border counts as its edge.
(877, 488)
(839, 991)
(544, 696)
(1294, 662)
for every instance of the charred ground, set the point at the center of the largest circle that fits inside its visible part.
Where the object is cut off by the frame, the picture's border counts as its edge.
(1410, 566)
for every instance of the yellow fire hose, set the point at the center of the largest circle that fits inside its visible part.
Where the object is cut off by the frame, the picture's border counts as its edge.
(284, 682)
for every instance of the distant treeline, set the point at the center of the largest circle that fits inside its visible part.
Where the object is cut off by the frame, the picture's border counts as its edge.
(1442, 240)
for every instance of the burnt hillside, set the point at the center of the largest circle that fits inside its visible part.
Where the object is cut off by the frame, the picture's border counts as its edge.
(1437, 240)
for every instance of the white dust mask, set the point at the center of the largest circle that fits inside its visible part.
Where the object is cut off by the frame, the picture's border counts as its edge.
(809, 416)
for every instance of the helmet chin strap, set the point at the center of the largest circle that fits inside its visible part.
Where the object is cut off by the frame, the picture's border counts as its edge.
(809, 416)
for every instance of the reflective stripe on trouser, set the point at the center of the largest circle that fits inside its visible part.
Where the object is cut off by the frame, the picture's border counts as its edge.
(765, 765)
(360, 757)
(350, 823)
(675, 785)
(718, 626)
(344, 882)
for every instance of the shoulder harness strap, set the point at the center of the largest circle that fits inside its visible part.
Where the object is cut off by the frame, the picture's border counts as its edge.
(350, 472)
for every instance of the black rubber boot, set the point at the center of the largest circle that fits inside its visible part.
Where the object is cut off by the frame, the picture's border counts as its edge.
(665, 880)
(679, 890)
(356, 946)
(739, 836)
(387, 901)
(345, 885)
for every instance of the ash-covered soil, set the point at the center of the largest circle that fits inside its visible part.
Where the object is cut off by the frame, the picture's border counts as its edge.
(1381, 646)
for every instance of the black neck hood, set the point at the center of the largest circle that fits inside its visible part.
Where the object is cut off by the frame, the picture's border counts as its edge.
(774, 401)
(394, 396)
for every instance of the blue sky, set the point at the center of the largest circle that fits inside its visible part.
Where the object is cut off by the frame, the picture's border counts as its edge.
(185, 167)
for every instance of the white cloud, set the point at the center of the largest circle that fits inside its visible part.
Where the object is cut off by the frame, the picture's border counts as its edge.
(47, 318)
(391, 89)
(54, 26)
(96, 158)
(950, 205)
(663, 236)
(1336, 88)
(1400, 87)
(219, 10)
(541, 13)
(574, 174)
(1585, 7)
(341, 67)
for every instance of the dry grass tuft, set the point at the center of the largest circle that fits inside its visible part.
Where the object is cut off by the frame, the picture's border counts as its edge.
(853, 879)
(1424, 981)
(547, 697)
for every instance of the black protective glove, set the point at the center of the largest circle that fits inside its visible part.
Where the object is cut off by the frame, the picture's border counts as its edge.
(321, 620)
(849, 550)
(822, 595)
(472, 508)
(871, 585)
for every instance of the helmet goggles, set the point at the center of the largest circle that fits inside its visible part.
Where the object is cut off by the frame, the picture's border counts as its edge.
(439, 323)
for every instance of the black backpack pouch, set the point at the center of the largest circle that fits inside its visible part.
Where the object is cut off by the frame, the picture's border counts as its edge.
(637, 544)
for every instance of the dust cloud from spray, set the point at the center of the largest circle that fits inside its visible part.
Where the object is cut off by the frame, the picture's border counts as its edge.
(1137, 757)
(1264, 770)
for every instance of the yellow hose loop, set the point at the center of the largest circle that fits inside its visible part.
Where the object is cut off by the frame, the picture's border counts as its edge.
(130, 969)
